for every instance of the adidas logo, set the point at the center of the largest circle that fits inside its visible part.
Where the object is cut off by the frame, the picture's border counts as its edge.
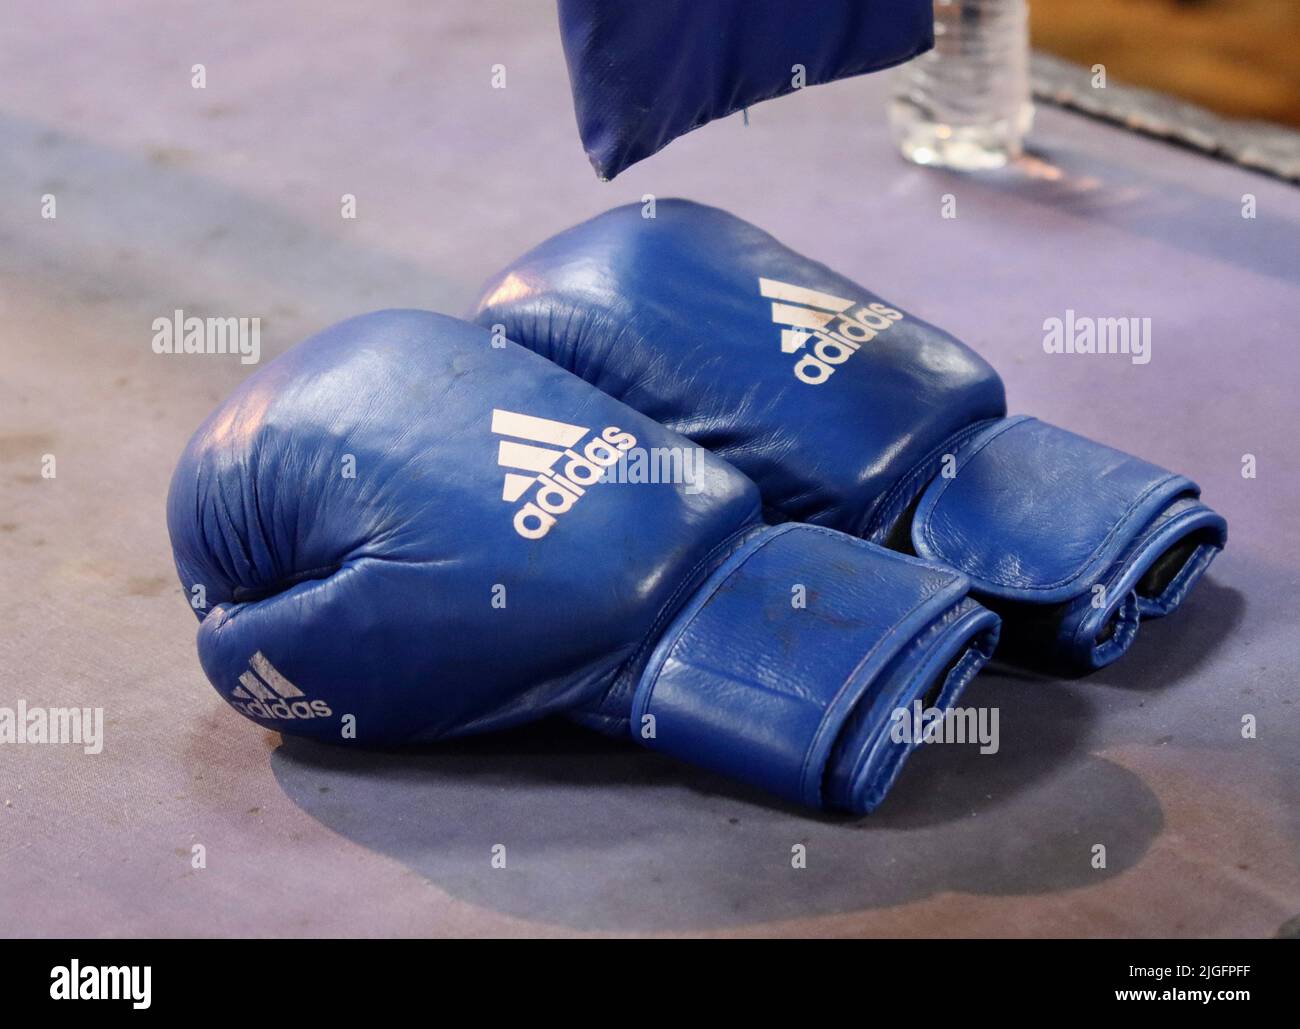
(837, 332)
(265, 693)
(554, 490)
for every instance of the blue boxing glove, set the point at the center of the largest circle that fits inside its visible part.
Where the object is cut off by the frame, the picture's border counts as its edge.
(403, 532)
(644, 73)
(849, 412)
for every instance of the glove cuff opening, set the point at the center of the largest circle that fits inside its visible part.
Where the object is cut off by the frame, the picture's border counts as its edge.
(1069, 540)
(786, 667)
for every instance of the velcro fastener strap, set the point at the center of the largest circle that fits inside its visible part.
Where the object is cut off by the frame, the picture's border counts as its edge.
(1036, 513)
(758, 674)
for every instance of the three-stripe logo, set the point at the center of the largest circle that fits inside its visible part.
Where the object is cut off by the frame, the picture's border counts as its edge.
(265, 693)
(825, 321)
(533, 465)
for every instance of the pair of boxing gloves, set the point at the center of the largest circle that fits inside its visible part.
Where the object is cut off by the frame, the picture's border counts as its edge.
(411, 527)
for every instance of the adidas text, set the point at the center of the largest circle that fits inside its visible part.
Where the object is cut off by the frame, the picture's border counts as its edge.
(824, 321)
(561, 473)
(264, 693)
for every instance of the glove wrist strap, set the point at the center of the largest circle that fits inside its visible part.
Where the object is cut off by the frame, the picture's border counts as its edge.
(787, 667)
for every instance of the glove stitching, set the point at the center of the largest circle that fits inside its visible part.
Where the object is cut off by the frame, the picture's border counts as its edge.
(898, 496)
(950, 575)
(822, 727)
(668, 610)
(1120, 523)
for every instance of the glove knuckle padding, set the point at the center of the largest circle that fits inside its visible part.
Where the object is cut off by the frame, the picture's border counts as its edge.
(671, 308)
(396, 625)
(851, 413)
(355, 510)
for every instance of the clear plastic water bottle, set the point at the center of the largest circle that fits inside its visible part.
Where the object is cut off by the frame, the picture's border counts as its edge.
(965, 104)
